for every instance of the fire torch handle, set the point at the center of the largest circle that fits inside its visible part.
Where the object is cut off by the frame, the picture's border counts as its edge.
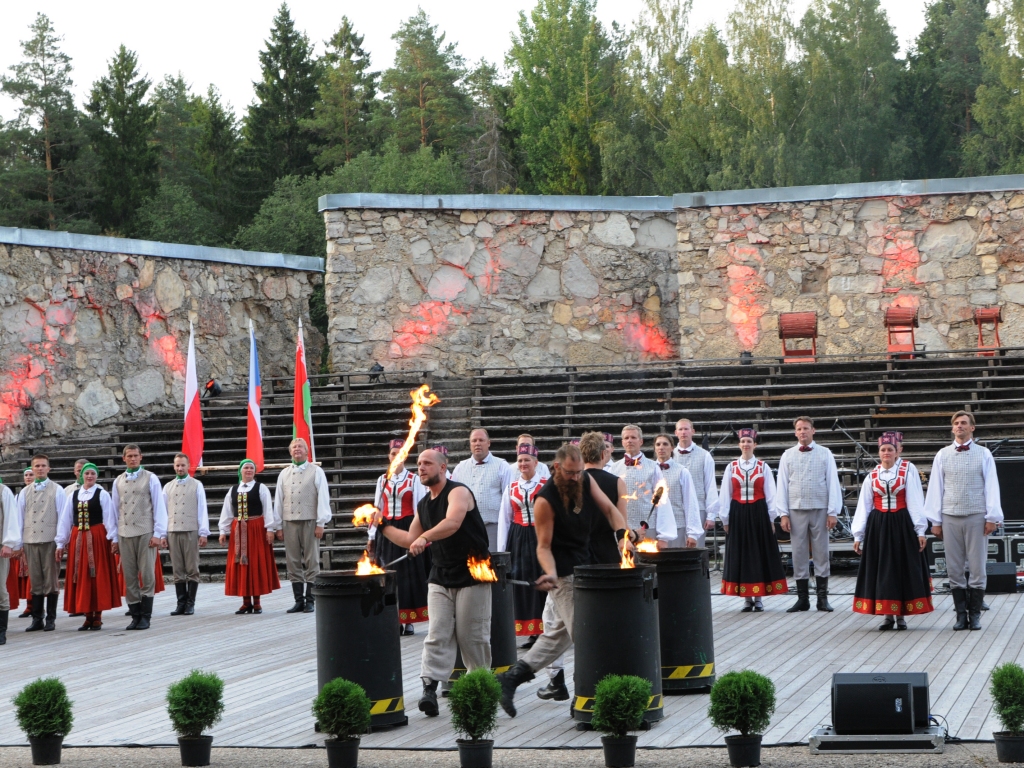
(400, 559)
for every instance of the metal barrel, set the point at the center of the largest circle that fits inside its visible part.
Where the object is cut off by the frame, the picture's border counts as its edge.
(357, 638)
(684, 608)
(615, 631)
(503, 620)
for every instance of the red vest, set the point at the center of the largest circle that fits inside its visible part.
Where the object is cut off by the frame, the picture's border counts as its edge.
(891, 496)
(748, 486)
(522, 510)
(403, 491)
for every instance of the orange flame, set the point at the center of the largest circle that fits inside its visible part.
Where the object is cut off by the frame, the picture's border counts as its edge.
(363, 515)
(627, 555)
(647, 545)
(660, 493)
(481, 569)
(422, 399)
(365, 567)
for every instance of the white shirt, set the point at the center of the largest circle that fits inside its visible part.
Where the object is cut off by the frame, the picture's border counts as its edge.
(725, 491)
(18, 518)
(418, 492)
(993, 502)
(710, 491)
(156, 494)
(323, 497)
(204, 513)
(11, 536)
(505, 511)
(227, 514)
(665, 519)
(68, 521)
(914, 495)
(487, 479)
(835, 490)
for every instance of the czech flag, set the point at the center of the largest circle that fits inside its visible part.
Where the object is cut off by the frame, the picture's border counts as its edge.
(302, 420)
(254, 427)
(192, 436)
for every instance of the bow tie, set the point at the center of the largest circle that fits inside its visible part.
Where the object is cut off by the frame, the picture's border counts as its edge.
(481, 463)
(630, 462)
(965, 447)
(805, 448)
(664, 466)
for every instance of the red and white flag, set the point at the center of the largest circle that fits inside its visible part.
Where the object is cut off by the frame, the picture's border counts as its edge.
(254, 427)
(302, 418)
(192, 436)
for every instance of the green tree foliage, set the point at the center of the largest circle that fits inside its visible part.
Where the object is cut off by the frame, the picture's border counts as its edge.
(195, 703)
(489, 153)
(175, 131)
(43, 708)
(216, 148)
(172, 215)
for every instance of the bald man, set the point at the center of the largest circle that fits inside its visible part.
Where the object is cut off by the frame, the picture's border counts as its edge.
(487, 477)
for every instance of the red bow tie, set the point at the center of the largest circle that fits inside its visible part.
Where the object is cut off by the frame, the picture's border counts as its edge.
(805, 448)
(684, 451)
(664, 466)
(630, 462)
(965, 447)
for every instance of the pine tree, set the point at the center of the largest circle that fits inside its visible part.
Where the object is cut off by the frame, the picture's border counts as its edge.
(176, 133)
(489, 152)
(216, 155)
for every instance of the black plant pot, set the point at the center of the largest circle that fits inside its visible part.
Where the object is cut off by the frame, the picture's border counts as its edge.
(475, 754)
(619, 751)
(46, 749)
(744, 750)
(195, 750)
(342, 753)
(1009, 748)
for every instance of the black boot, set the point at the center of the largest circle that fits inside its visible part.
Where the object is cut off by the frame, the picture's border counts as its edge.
(960, 606)
(309, 598)
(428, 701)
(975, 598)
(821, 583)
(135, 611)
(180, 590)
(191, 587)
(145, 613)
(803, 602)
(51, 612)
(555, 689)
(300, 604)
(520, 673)
(37, 613)
(4, 615)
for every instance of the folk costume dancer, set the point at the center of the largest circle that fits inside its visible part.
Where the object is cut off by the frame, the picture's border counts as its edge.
(302, 508)
(141, 531)
(682, 495)
(964, 507)
(487, 477)
(642, 475)
(251, 569)
(701, 466)
(809, 500)
(86, 534)
(563, 513)
(746, 503)
(448, 520)
(516, 535)
(397, 499)
(889, 534)
(188, 529)
(542, 472)
(7, 541)
(19, 567)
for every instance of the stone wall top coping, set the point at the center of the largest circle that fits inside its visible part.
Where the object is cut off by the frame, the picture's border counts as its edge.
(494, 202)
(968, 185)
(42, 238)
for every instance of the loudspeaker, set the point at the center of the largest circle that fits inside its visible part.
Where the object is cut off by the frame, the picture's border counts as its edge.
(935, 554)
(996, 550)
(1010, 471)
(867, 702)
(1000, 578)
(1015, 550)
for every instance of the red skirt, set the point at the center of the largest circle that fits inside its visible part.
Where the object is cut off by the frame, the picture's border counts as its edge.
(24, 583)
(159, 568)
(84, 593)
(259, 575)
(13, 591)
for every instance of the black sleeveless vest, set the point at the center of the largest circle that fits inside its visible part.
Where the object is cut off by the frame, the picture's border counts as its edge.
(570, 539)
(95, 510)
(253, 503)
(603, 548)
(448, 556)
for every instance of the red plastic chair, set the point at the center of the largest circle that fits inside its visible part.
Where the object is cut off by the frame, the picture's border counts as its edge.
(992, 315)
(799, 325)
(900, 323)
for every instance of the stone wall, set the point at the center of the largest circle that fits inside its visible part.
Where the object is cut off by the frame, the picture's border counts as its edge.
(87, 337)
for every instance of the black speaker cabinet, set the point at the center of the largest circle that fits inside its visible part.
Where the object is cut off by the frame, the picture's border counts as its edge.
(1010, 471)
(935, 553)
(865, 703)
(1015, 550)
(1000, 578)
(997, 550)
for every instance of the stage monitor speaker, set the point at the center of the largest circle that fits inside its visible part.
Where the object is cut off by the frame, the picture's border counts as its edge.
(935, 553)
(1001, 578)
(1010, 471)
(997, 550)
(862, 709)
(1015, 551)
(859, 685)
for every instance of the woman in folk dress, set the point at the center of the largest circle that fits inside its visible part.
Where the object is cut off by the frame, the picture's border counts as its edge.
(251, 570)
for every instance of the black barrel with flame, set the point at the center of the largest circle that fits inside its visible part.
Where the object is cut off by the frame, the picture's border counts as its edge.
(357, 638)
(503, 619)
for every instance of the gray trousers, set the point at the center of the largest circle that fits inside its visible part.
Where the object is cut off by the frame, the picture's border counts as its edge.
(809, 530)
(492, 536)
(557, 637)
(459, 618)
(137, 558)
(5, 598)
(42, 567)
(548, 616)
(966, 547)
(184, 546)
(301, 550)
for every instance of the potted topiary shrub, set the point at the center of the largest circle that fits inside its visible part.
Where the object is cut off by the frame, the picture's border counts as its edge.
(742, 701)
(619, 705)
(1008, 703)
(194, 704)
(342, 709)
(473, 701)
(43, 711)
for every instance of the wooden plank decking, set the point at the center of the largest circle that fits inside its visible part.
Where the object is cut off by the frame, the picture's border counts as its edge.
(118, 679)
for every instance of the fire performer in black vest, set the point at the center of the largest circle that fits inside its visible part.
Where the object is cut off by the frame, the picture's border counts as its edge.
(448, 521)
(888, 534)
(563, 514)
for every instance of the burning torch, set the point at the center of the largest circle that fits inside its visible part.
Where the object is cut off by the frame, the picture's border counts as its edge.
(659, 491)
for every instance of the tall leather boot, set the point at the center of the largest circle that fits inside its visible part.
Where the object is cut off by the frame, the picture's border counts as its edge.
(300, 603)
(555, 689)
(520, 673)
(4, 615)
(179, 589)
(51, 612)
(308, 608)
(803, 601)
(37, 613)
(960, 606)
(146, 613)
(135, 611)
(191, 587)
(821, 585)
(975, 598)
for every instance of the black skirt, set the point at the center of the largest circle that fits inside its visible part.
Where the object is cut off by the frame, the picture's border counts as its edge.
(412, 574)
(893, 579)
(753, 563)
(528, 602)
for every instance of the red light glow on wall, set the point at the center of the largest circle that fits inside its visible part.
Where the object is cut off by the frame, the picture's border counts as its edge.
(646, 338)
(426, 320)
(747, 290)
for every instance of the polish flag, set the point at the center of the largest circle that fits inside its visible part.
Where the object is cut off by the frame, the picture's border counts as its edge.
(302, 420)
(192, 435)
(254, 427)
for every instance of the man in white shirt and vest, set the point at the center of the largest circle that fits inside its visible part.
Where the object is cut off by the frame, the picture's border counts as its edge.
(808, 499)
(701, 466)
(487, 477)
(642, 476)
(138, 503)
(964, 507)
(7, 538)
(302, 509)
(188, 528)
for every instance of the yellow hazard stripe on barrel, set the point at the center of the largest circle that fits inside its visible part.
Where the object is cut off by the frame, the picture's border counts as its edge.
(694, 670)
(586, 703)
(386, 706)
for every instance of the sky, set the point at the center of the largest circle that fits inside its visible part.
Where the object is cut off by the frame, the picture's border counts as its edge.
(217, 41)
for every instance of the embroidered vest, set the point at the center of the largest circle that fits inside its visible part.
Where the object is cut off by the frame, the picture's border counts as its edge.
(522, 502)
(40, 522)
(889, 495)
(402, 491)
(182, 505)
(748, 484)
(135, 505)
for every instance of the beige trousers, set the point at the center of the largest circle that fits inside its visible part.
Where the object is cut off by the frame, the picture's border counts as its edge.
(301, 550)
(557, 637)
(184, 546)
(137, 557)
(42, 567)
(456, 615)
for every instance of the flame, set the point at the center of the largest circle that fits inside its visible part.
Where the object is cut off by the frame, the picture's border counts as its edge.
(627, 556)
(660, 493)
(363, 515)
(647, 545)
(630, 496)
(481, 569)
(422, 399)
(365, 567)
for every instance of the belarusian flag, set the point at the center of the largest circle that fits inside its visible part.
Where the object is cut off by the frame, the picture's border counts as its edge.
(192, 435)
(302, 420)
(253, 425)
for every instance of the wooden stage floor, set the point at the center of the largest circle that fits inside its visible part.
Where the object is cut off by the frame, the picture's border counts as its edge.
(118, 679)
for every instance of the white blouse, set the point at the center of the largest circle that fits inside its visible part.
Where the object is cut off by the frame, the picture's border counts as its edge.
(66, 522)
(914, 493)
(725, 491)
(227, 514)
